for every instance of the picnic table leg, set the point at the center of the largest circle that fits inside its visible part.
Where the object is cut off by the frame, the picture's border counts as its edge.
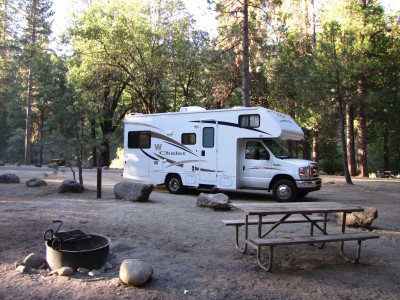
(315, 224)
(324, 231)
(246, 234)
(259, 225)
(344, 222)
(358, 252)
(270, 258)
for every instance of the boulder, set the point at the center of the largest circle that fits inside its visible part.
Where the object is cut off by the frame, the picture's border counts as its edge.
(35, 182)
(360, 219)
(132, 191)
(217, 201)
(9, 178)
(1, 163)
(135, 272)
(70, 185)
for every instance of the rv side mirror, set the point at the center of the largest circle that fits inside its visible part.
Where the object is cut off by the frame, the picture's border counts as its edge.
(267, 156)
(257, 153)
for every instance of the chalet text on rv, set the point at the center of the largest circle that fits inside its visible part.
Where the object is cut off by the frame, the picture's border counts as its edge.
(237, 148)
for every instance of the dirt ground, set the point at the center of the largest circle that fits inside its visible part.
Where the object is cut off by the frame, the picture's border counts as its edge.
(190, 249)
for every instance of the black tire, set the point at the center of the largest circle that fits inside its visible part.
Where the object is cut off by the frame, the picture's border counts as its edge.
(174, 184)
(284, 191)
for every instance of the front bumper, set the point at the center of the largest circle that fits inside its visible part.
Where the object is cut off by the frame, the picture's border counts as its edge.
(309, 185)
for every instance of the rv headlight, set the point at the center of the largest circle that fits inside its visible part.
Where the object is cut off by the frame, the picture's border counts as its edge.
(304, 173)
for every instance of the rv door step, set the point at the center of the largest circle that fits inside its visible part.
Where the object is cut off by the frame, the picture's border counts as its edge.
(207, 188)
(253, 188)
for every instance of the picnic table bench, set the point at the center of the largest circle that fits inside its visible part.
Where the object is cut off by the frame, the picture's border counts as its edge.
(306, 211)
(295, 240)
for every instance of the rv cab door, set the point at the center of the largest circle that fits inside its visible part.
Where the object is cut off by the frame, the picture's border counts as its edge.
(255, 169)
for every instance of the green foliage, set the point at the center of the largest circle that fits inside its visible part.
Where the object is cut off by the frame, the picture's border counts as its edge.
(15, 149)
(147, 56)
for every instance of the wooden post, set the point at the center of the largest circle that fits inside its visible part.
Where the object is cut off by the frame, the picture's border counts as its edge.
(98, 182)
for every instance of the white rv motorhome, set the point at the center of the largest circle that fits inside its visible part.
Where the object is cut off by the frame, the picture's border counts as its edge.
(235, 148)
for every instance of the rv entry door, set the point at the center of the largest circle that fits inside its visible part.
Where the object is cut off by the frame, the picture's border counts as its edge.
(208, 151)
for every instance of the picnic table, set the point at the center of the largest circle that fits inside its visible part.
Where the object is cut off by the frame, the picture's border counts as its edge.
(298, 213)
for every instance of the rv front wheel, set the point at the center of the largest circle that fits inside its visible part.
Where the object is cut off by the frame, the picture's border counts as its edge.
(284, 190)
(174, 184)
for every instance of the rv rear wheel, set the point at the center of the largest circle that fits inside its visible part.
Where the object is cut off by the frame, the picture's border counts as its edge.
(174, 184)
(284, 190)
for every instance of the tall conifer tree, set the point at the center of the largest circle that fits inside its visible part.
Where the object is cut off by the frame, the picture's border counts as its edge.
(34, 41)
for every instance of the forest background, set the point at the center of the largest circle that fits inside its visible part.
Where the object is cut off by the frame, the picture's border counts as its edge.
(332, 65)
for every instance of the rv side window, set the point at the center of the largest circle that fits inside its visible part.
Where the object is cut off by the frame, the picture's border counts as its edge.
(208, 137)
(139, 139)
(249, 121)
(188, 138)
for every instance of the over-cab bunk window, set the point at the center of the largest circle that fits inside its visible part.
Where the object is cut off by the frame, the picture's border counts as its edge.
(188, 139)
(139, 139)
(249, 121)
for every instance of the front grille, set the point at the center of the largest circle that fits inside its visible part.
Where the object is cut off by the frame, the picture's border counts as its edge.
(314, 170)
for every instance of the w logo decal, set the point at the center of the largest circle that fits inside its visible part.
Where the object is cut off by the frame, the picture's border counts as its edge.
(157, 146)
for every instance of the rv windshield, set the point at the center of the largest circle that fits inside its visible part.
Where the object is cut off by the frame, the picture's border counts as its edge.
(277, 149)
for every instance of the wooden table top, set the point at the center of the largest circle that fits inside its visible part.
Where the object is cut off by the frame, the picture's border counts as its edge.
(294, 208)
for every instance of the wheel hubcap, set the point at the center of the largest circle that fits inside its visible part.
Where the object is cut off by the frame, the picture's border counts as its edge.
(174, 185)
(284, 192)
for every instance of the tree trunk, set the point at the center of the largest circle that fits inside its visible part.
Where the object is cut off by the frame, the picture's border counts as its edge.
(94, 148)
(386, 166)
(246, 59)
(316, 145)
(350, 138)
(41, 132)
(362, 129)
(313, 25)
(342, 130)
(306, 145)
(28, 120)
(104, 159)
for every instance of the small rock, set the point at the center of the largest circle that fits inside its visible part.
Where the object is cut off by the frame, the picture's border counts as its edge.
(97, 272)
(135, 272)
(65, 271)
(217, 201)
(83, 271)
(35, 182)
(118, 246)
(108, 266)
(94, 273)
(1, 163)
(23, 269)
(71, 186)
(34, 260)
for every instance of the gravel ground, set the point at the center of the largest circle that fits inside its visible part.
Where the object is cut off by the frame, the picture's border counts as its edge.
(191, 251)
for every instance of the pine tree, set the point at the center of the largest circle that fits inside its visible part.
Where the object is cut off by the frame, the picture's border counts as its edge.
(34, 42)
